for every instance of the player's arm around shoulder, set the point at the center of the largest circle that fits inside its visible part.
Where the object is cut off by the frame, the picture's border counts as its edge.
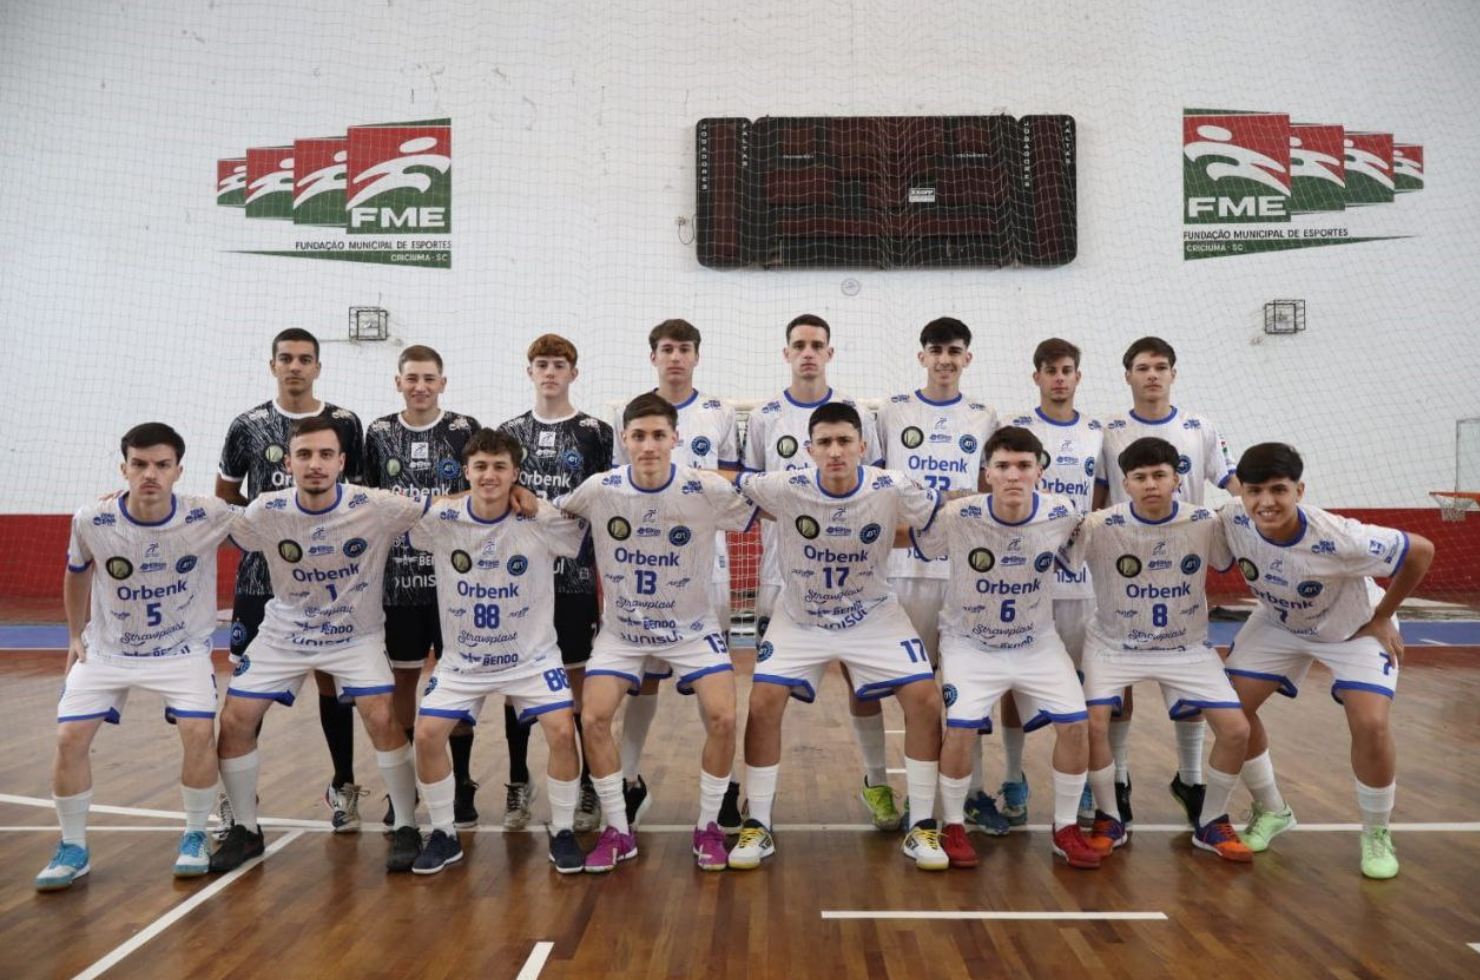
(733, 510)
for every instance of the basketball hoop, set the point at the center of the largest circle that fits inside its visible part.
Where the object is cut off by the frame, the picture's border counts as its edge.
(1453, 504)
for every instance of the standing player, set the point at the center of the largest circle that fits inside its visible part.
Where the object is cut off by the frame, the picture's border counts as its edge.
(654, 524)
(562, 448)
(255, 457)
(835, 527)
(776, 439)
(1149, 559)
(420, 450)
(707, 440)
(326, 547)
(148, 627)
(1317, 602)
(1202, 458)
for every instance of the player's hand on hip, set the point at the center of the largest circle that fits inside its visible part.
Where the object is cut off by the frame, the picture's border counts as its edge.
(1385, 632)
(524, 502)
(76, 653)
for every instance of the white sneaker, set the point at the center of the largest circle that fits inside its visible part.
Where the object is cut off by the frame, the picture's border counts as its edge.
(195, 857)
(754, 845)
(518, 805)
(67, 865)
(923, 844)
(344, 805)
(588, 811)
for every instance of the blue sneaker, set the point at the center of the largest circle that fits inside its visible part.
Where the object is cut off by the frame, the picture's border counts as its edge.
(1086, 807)
(1015, 801)
(195, 857)
(69, 863)
(981, 810)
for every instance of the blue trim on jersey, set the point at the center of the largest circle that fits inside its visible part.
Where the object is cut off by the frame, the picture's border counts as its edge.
(950, 401)
(786, 393)
(1226, 477)
(449, 713)
(338, 496)
(1340, 686)
(1142, 520)
(981, 725)
(817, 478)
(123, 509)
(685, 684)
(1033, 513)
(1101, 481)
(755, 514)
(800, 689)
(1403, 555)
(656, 675)
(730, 464)
(879, 690)
(929, 523)
(1286, 686)
(1115, 703)
(1300, 512)
(508, 509)
(672, 469)
(348, 694)
(1183, 709)
(1040, 720)
(1164, 421)
(1045, 717)
(631, 679)
(1038, 411)
(282, 697)
(685, 403)
(111, 716)
(79, 568)
(529, 715)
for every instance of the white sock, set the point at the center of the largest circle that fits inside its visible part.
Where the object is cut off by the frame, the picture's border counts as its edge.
(239, 776)
(953, 793)
(613, 804)
(1258, 775)
(1376, 805)
(636, 721)
(1067, 788)
(1189, 751)
(1219, 792)
(1012, 754)
(72, 815)
(440, 797)
(564, 795)
(1102, 785)
(760, 790)
(711, 797)
(1120, 748)
(869, 730)
(398, 771)
(198, 806)
(920, 779)
(976, 776)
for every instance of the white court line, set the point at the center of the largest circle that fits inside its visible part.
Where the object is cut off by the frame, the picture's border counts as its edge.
(894, 731)
(895, 772)
(133, 811)
(183, 909)
(536, 961)
(1008, 916)
(1474, 946)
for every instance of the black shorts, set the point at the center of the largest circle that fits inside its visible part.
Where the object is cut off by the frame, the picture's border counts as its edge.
(246, 618)
(410, 631)
(576, 617)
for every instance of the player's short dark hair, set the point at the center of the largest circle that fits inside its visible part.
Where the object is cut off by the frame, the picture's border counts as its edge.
(944, 329)
(1054, 349)
(418, 352)
(1269, 461)
(1149, 345)
(493, 442)
(312, 424)
(679, 331)
(295, 335)
(148, 434)
(808, 320)
(835, 412)
(1148, 451)
(551, 345)
(649, 404)
(1013, 439)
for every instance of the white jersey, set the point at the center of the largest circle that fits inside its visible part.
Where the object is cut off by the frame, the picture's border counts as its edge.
(776, 438)
(1319, 585)
(1202, 454)
(1151, 596)
(154, 592)
(1073, 450)
(655, 550)
(327, 567)
(834, 550)
(1002, 574)
(496, 585)
(938, 445)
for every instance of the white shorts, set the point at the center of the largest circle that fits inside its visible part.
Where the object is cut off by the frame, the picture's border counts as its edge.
(1186, 688)
(881, 654)
(656, 668)
(359, 670)
(765, 605)
(690, 659)
(98, 688)
(452, 694)
(1070, 620)
(922, 599)
(1266, 651)
(1040, 677)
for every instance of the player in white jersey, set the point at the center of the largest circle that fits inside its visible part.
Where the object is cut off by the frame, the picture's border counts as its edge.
(1202, 459)
(496, 598)
(1149, 559)
(836, 525)
(998, 635)
(708, 439)
(776, 439)
(326, 546)
(1312, 573)
(146, 625)
(654, 524)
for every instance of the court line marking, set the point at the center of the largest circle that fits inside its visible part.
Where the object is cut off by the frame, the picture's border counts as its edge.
(1007, 916)
(536, 961)
(177, 913)
(1474, 946)
(134, 811)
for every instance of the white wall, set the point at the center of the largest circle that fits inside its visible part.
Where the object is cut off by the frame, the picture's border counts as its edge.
(573, 155)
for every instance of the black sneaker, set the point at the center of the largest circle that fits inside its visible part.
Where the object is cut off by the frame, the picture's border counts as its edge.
(730, 817)
(405, 846)
(1190, 797)
(1123, 800)
(635, 795)
(566, 854)
(239, 847)
(438, 852)
(464, 813)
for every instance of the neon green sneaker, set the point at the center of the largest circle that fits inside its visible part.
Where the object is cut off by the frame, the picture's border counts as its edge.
(1379, 856)
(880, 802)
(1265, 825)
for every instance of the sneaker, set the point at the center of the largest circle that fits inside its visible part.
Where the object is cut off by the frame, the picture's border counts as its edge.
(389, 820)
(1265, 825)
(1218, 836)
(69, 863)
(1070, 844)
(880, 802)
(1123, 803)
(195, 857)
(755, 844)
(981, 810)
(709, 848)
(613, 848)
(226, 819)
(464, 813)
(517, 805)
(566, 853)
(1014, 801)
(1190, 798)
(588, 810)
(958, 847)
(1108, 833)
(239, 847)
(344, 806)
(730, 817)
(1086, 814)
(440, 850)
(922, 844)
(1379, 856)
(405, 849)
(637, 800)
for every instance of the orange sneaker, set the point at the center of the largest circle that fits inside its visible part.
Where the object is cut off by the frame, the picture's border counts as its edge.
(1218, 836)
(1070, 844)
(957, 847)
(1108, 833)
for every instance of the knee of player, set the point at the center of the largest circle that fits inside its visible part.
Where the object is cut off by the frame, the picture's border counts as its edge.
(1099, 722)
(1370, 725)
(1232, 726)
(1073, 732)
(198, 738)
(74, 738)
(721, 720)
(559, 728)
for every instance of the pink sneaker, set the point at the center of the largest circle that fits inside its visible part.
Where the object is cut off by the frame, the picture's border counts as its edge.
(612, 847)
(709, 848)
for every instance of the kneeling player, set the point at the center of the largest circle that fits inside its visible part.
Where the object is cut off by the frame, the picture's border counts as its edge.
(144, 631)
(1310, 570)
(496, 598)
